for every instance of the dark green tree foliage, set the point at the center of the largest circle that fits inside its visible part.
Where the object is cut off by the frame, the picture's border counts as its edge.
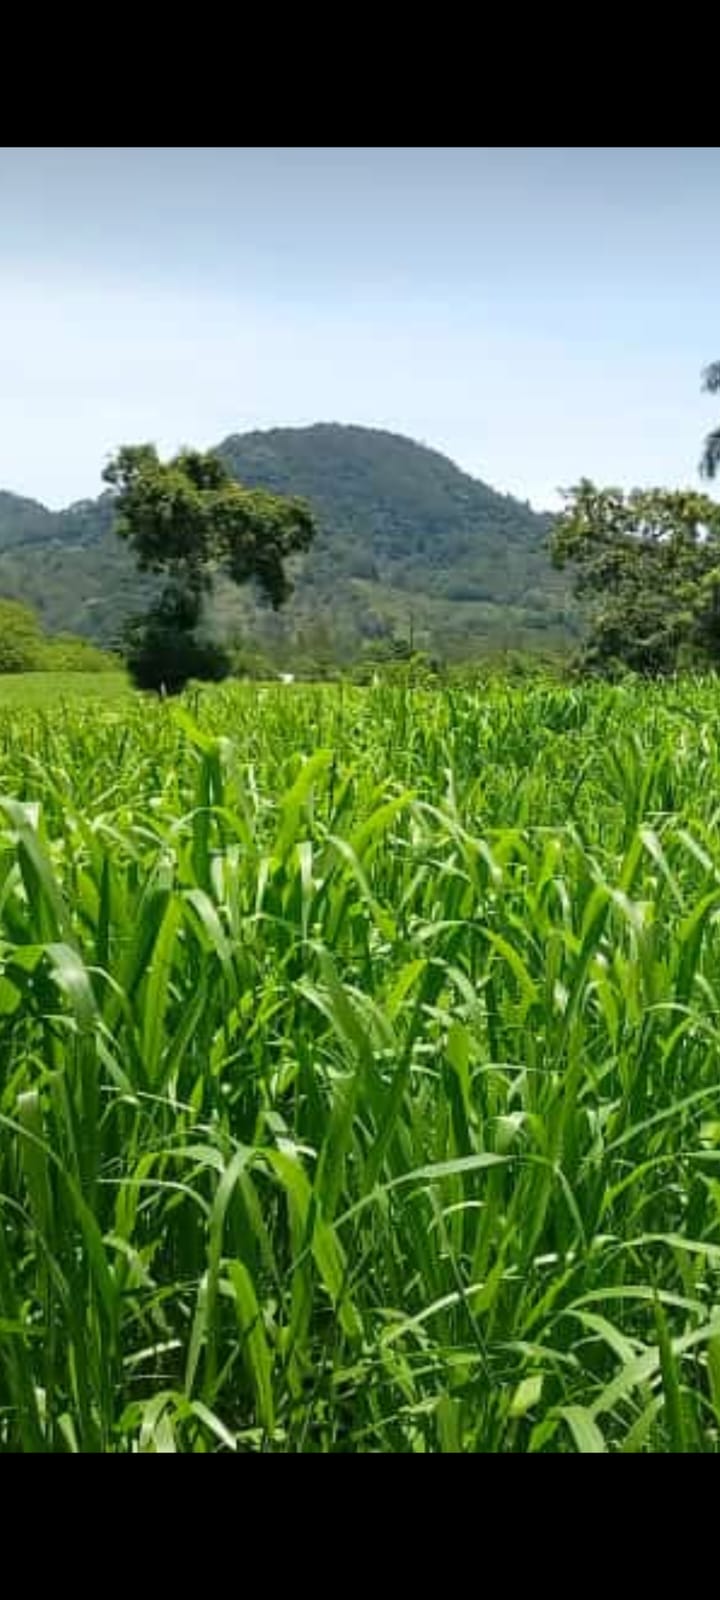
(648, 563)
(711, 452)
(162, 649)
(188, 519)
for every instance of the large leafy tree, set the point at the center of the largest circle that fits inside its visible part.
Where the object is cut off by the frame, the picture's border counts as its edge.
(711, 451)
(648, 564)
(188, 519)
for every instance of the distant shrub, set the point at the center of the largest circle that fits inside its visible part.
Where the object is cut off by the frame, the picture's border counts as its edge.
(511, 666)
(21, 638)
(414, 669)
(249, 663)
(25, 648)
(67, 653)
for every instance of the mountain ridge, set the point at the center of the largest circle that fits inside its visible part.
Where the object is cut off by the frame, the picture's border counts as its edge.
(406, 538)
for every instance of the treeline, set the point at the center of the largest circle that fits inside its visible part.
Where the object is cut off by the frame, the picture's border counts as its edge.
(398, 661)
(646, 569)
(25, 647)
(645, 565)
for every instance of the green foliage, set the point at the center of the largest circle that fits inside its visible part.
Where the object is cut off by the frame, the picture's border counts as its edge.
(189, 520)
(24, 521)
(187, 517)
(246, 662)
(162, 657)
(358, 1071)
(397, 663)
(25, 648)
(66, 653)
(402, 534)
(506, 667)
(21, 640)
(650, 563)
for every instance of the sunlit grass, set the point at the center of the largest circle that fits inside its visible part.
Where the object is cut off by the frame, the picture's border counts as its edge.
(44, 689)
(360, 1083)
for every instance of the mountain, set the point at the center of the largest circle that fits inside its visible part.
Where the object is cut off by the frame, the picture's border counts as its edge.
(23, 521)
(406, 542)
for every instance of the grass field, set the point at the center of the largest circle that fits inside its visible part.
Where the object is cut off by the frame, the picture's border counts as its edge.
(360, 1071)
(45, 689)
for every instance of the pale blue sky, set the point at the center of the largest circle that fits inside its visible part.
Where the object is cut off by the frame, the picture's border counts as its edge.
(537, 314)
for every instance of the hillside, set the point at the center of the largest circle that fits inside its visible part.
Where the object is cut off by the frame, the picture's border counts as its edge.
(406, 541)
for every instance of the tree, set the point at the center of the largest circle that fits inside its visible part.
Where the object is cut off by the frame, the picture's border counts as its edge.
(649, 564)
(711, 452)
(188, 519)
(163, 651)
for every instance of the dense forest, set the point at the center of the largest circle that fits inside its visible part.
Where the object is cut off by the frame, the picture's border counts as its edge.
(407, 544)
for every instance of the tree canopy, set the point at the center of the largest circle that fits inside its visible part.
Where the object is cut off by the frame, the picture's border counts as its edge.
(187, 518)
(648, 564)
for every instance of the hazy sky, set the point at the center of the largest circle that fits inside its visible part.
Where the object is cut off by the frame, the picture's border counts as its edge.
(537, 314)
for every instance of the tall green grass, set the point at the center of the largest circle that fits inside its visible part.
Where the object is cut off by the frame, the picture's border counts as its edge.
(360, 1072)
